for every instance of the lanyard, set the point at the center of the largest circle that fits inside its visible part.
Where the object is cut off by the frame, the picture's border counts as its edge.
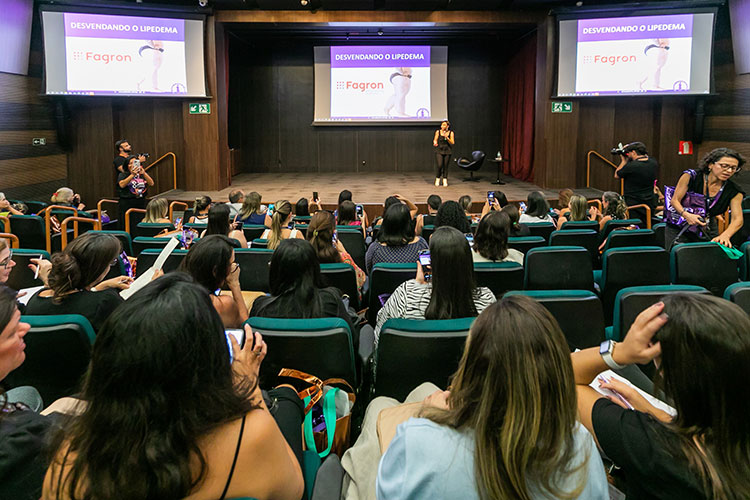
(705, 193)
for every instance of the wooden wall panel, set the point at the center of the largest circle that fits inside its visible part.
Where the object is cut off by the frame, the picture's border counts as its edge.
(90, 168)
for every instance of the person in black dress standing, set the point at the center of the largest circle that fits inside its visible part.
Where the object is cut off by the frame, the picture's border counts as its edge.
(443, 141)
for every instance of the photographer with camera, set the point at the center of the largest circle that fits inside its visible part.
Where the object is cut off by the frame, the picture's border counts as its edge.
(639, 172)
(125, 150)
(132, 187)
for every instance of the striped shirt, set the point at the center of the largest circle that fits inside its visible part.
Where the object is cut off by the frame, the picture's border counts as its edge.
(410, 301)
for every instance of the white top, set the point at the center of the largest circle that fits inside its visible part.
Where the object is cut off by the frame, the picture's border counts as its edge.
(513, 256)
(430, 461)
(267, 232)
(524, 218)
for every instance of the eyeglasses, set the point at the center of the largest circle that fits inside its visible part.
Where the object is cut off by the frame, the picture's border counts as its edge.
(730, 167)
(4, 264)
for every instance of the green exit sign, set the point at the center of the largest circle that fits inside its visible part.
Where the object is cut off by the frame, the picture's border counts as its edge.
(562, 107)
(197, 108)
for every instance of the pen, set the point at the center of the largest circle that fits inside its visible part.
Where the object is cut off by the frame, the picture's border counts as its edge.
(36, 273)
(605, 380)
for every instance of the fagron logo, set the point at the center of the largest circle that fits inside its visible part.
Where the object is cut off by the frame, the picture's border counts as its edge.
(100, 57)
(359, 86)
(611, 60)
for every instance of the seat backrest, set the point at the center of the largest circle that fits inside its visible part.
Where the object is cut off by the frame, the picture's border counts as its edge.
(558, 268)
(743, 234)
(35, 206)
(477, 155)
(630, 238)
(343, 277)
(302, 219)
(58, 350)
(631, 266)
(384, 279)
(580, 224)
(578, 312)
(21, 276)
(703, 264)
(30, 231)
(147, 259)
(631, 301)
(253, 231)
(125, 240)
(151, 229)
(525, 243)
(141, 243)
(319, 346)
(196, 226)
(499, 276)
(586, 238)
(427, 231)
(254, 268)
(659, 234)
(543, 229)
(302, 228)
(259, 243)
(611, 225)
(739, 293)
(411, 352)
(354, 243)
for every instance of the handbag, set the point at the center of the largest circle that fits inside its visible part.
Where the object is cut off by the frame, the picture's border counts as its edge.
(692, 202)
(328, 412)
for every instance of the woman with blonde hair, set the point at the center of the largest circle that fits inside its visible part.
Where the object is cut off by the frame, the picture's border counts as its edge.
(577, 211)
(156, 211)
(282, 226)
(251, 211)
(507, 427)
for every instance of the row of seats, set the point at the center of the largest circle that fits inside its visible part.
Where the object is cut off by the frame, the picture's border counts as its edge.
(409, 352)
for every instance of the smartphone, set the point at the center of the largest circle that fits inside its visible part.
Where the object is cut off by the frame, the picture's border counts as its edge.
(177, 221)
(136, 163)
(335, 237)
(490, 197)
(426, 263)
(470, 239)
(360, 211)
(239, 336)
(523, 206)
(270, 210)
(315, 196)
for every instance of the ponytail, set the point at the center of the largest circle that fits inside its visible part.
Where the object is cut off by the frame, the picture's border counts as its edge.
(281, 211)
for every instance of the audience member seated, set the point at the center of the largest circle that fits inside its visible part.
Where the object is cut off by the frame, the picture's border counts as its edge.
(450, 293)
(428, 219)
(516, 228)
(218, 223)
(170, 412)
(252, 212)
(537, 209)
(22, 431)
(7, 264)
(75, 283)
(577, 211)
(465, 203)
(236, 199)
(563, 200)
(67, 198)
(507, 426)
(200, 210)
(347, 216)
(157, 211)
(302, 208)
(701, 347)
(297, 290)
(211, 263)
(6, 208)
(321, 235)
(281, 225)
(491, 240)
(497, 204)
(451, 214)
(346, 195)
(614, 208)
(396, 242)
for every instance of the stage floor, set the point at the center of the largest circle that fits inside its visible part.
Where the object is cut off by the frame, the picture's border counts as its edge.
(371, 188)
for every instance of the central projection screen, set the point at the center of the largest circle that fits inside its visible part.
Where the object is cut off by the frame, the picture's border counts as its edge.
(381, 85)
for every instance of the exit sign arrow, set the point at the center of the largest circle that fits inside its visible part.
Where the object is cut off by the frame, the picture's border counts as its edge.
(197, 108)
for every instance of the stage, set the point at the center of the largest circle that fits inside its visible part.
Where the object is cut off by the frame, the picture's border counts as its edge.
(370, 188)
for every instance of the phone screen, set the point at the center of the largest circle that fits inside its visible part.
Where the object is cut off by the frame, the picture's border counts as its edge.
(523, 206)
(177, 221)
(270, 210)
(426, 263)
(490, 197)
(360, 210)
(239, 336)
(335, 237)
(315, 196)
(470, 239)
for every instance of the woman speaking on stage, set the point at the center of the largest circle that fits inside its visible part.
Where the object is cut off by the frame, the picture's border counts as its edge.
(443, 141)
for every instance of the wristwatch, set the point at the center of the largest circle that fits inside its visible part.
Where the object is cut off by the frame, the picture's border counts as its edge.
(605, 349)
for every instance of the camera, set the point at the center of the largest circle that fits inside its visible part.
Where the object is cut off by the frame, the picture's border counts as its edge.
(617, 151)
(145, 155)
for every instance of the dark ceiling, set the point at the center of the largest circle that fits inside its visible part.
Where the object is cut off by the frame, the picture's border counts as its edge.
(427, 5)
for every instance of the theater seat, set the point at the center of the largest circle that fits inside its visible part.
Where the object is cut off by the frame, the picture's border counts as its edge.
(499, 276)
(427, 231)
(628, 267)
(745, 262)
(354, 243)
(259, 243)
(253, 231)
(141, 243)
(125, 240)
(152, 228)
(586, 238)
(412, 351)
(739, 293)
(703, 264)
(384, 279)
(580, 224)
(58, 349)
(21, 276)
(743, 234)
(659, 234)
(343, 277)
(558, 268)
(30, 231)
(579, 313)
(613, 224)
(525, 243)
(254, 268)
(147, 259)
(543, 229)
(630, 238)
(319, 346)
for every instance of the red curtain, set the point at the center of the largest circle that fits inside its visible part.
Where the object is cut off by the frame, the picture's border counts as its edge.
(518, 115)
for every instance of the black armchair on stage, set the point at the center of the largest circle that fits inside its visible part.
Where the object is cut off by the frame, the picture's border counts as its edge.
(471, 165)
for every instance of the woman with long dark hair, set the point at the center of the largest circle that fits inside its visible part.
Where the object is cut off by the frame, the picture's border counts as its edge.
(537, 209)
(491, 240)
(211, 263)
(451, 214)
(613, 208)
(321, 233)
(218, 223)
(701, 347)
(297, 290)
(516, 228)
(74, 283)
(396, 240)
(450, 293)
(170, 411)
(507, 426)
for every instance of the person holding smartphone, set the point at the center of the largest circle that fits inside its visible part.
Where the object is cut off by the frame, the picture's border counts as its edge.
(132, 186)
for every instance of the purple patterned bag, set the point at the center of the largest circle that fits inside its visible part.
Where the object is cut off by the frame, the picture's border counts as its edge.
(694, 203)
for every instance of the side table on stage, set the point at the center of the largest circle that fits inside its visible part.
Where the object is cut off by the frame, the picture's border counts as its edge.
(499, 162)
